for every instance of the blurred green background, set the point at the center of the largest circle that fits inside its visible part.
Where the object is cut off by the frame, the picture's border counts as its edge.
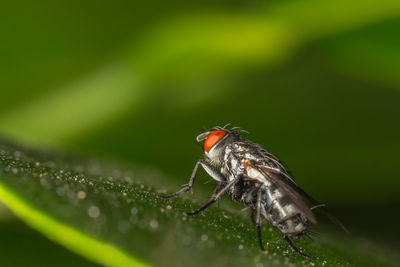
(316, 82)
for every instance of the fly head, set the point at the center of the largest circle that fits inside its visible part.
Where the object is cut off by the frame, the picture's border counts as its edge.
(216, 141)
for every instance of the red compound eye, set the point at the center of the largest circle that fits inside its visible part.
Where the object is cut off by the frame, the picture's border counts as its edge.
(213, 138)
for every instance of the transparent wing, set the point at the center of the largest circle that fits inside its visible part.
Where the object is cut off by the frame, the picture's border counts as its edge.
(287, 185)
(322, 208)
(285, 181)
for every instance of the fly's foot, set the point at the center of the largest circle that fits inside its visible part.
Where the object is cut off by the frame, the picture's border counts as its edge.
(164, 196)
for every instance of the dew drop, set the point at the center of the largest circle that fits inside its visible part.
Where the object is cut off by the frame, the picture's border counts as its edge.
(81, 194)
(94, 211)
(204, 238)
(153, 224)
(134, 211)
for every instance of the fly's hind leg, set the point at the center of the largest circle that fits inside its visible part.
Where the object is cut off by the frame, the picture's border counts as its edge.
(258, 220)
(252, 214)
(287, 239)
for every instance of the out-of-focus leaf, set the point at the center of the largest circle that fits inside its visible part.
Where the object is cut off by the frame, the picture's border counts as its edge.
(370, 54)
(74, 109)
(185, 47)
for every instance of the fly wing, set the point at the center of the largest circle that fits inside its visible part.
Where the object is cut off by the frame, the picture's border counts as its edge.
(289, 180)
(323, 209)
(282, 182)
(288, 184)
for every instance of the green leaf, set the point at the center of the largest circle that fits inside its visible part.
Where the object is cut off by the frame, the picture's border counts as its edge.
(111, 215)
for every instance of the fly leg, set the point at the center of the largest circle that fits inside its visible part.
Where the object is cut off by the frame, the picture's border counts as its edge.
(215, 197)
(287, 239)
(216, 190)
(258, 220)
(209, 169)
(252, 214)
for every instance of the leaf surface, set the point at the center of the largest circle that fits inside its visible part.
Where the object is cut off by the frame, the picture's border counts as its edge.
(111, 215)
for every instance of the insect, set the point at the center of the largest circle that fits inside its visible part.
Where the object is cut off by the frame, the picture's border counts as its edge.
(256, 178)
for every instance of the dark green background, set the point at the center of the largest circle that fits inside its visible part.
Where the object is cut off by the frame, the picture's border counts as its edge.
(328, 107)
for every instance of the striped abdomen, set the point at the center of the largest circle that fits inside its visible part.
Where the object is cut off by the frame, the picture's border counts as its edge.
(277, 208)
(283, 213)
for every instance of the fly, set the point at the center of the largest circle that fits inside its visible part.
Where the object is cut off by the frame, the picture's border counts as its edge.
(256, 178)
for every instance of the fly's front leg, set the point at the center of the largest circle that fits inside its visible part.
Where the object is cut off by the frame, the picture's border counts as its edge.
(207, 167)
(215, 197)
(189, 185)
